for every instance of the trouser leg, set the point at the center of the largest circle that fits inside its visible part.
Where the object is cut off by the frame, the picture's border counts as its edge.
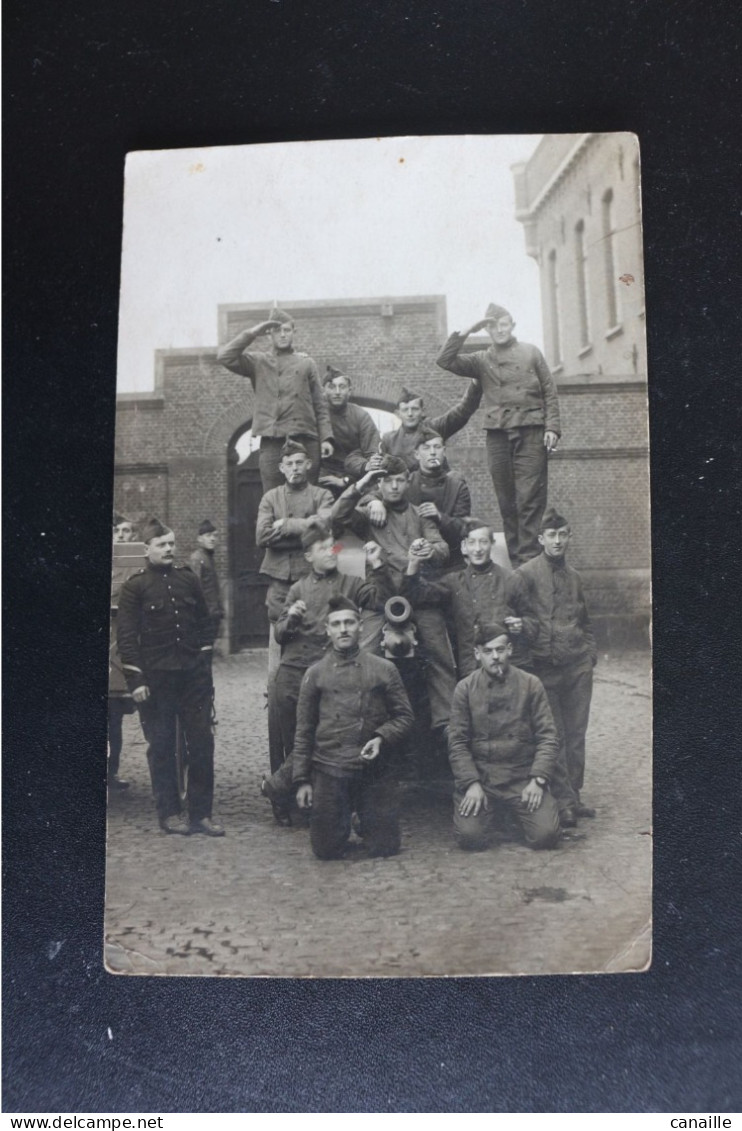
(500, 460)
(378, 809)
(530, 472)
(541, 827)
(283, 696)
(561, 786)
(158, 715)
(194, 709)
(115, 735)
(577, 690)
(269, 459)
(440, 673)
(473, 833)
(329, 828)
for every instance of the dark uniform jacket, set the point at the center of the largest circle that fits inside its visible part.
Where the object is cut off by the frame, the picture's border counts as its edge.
(518, 387)
(202, 564)
(450, 493)
(475, 596)
(345, 701)
(403, 526)
(304, 640)
(288, 396)
(284, 558)
(356, 439)
(403, 443)
(163, 622)
(548, 595)
(501, 731)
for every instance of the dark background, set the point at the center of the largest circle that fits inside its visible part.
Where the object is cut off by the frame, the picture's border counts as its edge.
(86, 82)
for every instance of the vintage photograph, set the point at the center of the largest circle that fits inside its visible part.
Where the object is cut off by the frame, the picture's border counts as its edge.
(380, 670)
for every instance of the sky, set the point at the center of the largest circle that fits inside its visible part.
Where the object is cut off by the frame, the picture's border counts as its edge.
(376, 217)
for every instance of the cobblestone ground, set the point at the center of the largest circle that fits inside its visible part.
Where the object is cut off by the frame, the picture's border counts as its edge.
(258, 903)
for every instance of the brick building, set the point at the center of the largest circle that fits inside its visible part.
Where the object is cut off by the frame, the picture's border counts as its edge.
(176, 449)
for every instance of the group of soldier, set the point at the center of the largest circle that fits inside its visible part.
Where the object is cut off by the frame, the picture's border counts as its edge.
(399, 648)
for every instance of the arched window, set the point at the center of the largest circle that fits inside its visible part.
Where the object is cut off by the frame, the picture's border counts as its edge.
(581, 269)
(554, 314)
(609, 261)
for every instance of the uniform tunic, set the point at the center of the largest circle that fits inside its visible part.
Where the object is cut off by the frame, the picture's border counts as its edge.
(345, 700)
(202, 564)
(517, 384)
(356, 439)
(288, 396)
(402, 442)
(547, 593)
(403, 526)
(164, 638)
(501, 735)
(474, 596)
(501, 731)
(284, 560)
(520, 403)
(450, 493)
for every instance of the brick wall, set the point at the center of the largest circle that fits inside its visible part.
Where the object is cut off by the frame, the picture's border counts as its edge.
(172, 447)
(557, 192)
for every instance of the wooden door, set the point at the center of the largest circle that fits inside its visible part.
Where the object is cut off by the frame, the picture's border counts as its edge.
(249, 628)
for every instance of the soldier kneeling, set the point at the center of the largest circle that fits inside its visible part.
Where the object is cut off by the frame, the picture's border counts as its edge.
(352, 708)
(503, 747)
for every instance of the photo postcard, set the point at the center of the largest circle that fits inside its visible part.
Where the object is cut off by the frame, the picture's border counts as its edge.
(380, 673)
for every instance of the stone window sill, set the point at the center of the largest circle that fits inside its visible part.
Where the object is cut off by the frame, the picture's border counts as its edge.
(613, 332)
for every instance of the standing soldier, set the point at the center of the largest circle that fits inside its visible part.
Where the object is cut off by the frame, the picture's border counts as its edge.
(120, 702)
(202, 564)
(521, 417)
(283, 516)
(547, 593)
(164, 639)
(288, 395)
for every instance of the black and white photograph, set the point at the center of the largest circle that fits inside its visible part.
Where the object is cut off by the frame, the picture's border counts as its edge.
(380, 670)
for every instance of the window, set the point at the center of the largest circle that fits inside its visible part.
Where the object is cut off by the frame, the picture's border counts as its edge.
(581, 267)
(609, 261)
(553, 277)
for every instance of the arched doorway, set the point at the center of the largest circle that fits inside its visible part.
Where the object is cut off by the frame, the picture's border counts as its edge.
(249, 617)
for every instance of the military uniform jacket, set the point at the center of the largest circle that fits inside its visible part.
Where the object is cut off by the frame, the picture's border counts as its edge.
(163, 622)
(518, 387)
(304, 640)
(475, 596)
(356, 439)
(284, 558)
(202, 564)
(501, 731)
(548, 595)
(344, 701)
(403, 443)
(288, 396)
(450, 493)
(403, 526)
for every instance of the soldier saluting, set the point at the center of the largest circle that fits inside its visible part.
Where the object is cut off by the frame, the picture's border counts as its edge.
(165, 642)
